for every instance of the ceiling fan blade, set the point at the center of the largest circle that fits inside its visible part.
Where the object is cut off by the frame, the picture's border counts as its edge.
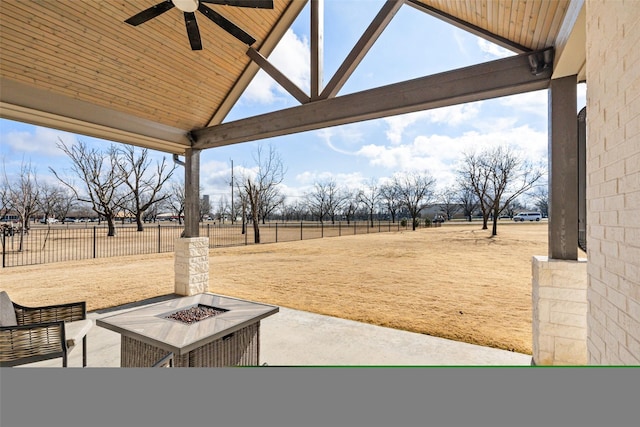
(192, 30)
(150, 13)
(226, 25)
(259, 4)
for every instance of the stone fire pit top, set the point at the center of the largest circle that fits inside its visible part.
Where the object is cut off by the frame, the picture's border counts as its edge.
(150, 324)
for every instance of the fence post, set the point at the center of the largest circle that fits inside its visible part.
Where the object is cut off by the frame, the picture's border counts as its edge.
(300, 230)
(339, 228)
(94, 241)
(321, 229)
(4, 245)
(355, 230)
(276, 232)
(158, 238)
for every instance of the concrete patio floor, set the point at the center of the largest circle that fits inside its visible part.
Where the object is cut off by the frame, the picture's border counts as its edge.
(298, 338)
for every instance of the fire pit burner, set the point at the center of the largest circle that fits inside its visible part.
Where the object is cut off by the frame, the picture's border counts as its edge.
(196, 313)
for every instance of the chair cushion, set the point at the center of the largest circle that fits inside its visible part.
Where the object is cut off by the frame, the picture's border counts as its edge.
(7, 313)
(75, 331)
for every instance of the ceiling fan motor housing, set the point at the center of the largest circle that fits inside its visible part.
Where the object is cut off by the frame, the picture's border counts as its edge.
(186, 5)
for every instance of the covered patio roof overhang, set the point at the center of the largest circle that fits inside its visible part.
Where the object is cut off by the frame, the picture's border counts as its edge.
(79, 67)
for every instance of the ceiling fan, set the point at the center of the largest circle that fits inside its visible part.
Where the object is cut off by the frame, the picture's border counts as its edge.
(188, 7)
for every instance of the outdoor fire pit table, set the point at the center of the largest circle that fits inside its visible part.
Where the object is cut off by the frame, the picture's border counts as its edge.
(229, 336)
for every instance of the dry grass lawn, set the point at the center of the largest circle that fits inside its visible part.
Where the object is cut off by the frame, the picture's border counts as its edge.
(454, 281)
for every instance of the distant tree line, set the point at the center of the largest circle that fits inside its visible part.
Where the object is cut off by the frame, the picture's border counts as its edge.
(122, 182)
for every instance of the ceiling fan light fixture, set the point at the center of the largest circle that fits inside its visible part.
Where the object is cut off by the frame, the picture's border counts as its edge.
(186, 5)
(188, 9)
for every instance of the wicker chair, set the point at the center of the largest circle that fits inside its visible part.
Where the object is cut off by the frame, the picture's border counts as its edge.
(165, 362)
(32, 334)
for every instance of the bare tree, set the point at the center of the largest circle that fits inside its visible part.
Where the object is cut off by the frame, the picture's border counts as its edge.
(294, 211)
(351, 205)
(502, 175)
(473, 176)
(151, 214)
(223, 209)
(415, 191)
(55, 201)
(176, 200)
(144, 184)
(541, 199)
(100, 175)
(449, 203)
(467, 199)
(242, 204)
(513, 208)
(22, 198)
(326, 199)
(272, 199)
(369, 198)
(268, 175)
(511, 176)
(391, 199)
(4, 196)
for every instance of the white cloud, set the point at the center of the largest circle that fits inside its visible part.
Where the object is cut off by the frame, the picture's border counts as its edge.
(398, 124)
(493, 50)
(529, 102)
(215, 178)
(291, 57)
(496, 124)
(439, 154)
(453, 115)
(460, 41)
(41, 141)
(346, 135)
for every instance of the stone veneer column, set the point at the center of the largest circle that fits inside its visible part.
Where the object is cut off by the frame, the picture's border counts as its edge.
(559, 311)
(191, 265)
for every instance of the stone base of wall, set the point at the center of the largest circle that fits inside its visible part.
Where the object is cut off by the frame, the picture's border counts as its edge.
(192, 265)
(559, 311)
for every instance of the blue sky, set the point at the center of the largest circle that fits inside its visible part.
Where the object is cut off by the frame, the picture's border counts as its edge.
(413, 45)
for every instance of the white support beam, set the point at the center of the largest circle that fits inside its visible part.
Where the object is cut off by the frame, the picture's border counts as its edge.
(493, 79)
(359, 51)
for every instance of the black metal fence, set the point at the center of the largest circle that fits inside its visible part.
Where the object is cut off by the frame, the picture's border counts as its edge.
(72, 242)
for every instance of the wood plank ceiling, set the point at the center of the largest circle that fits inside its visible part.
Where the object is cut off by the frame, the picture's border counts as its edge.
(83, 51)
(530, 23)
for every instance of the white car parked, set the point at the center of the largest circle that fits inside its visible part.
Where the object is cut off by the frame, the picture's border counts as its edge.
(528, 216)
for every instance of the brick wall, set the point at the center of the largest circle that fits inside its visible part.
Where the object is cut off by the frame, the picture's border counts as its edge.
(613, 181)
